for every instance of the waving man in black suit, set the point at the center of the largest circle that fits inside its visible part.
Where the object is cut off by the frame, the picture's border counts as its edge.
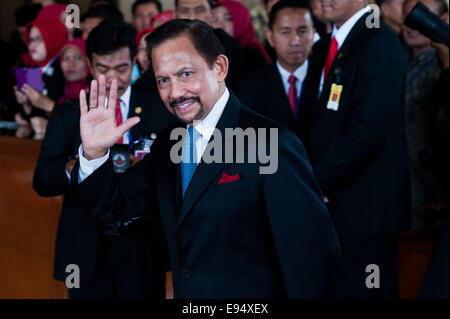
(234, 229)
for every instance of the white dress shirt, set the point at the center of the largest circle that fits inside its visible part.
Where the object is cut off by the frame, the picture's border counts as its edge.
(342, 33)
(208, 124)
(205, 128)
(300, 74)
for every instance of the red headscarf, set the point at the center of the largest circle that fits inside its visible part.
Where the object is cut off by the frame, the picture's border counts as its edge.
(163, 17)
(243, 27)
(142, 33)
(54, 34)
(52, 11)
(72, 89)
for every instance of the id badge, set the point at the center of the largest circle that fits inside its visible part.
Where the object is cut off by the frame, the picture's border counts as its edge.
(335, 96)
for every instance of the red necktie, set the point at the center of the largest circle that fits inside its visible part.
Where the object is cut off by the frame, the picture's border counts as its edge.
(330, 58)
(119, 119)
(292, 95)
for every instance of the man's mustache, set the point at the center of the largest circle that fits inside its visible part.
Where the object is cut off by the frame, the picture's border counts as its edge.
(180, 100)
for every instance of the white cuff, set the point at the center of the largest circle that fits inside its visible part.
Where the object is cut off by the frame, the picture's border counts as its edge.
(88, 167)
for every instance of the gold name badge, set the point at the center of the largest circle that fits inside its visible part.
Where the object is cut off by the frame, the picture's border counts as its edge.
(335, 96)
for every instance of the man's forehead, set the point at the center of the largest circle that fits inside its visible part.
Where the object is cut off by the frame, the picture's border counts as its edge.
(192, 3)
(293, 17)
(119, 56)
(174, 54)
(146, 7)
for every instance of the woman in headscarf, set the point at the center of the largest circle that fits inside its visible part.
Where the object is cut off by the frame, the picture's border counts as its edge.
(146, 81)
(45, 37)
(75, 67)
(162, 17)
(234, 18)
(141, 45)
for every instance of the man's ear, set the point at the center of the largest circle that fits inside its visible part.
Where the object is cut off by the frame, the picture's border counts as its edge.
(221, 67)
(269, 35)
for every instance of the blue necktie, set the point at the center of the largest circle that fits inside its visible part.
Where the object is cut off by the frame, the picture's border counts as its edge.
(188, 158)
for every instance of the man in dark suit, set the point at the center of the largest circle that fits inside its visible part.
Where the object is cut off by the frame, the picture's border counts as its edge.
(352, 124)
(128, 265)
(275, 90)
(233, 232)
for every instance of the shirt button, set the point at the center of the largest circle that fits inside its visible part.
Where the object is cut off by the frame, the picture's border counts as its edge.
(185, 272)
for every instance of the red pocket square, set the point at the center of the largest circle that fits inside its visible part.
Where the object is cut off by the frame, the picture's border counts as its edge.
(228, 178)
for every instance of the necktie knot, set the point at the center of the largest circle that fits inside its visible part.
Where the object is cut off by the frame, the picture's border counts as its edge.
(292, 79)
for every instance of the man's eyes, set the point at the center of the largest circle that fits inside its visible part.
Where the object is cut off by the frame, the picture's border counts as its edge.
(163, 81)
(186, 74)
(200, 10)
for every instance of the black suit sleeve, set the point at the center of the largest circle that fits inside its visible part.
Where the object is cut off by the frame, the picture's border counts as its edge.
(305, 239)
(376, 103)
(111, 197)
(50, 177)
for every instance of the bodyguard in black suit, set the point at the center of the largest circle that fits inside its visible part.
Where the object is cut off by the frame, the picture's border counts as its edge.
(232, 231)
(128, 265)
(353, 128)
(268, 90)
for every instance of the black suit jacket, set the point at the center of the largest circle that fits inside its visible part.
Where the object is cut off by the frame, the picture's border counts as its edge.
(359, 152)
(262, 236)
(77, 235)
(263, 91)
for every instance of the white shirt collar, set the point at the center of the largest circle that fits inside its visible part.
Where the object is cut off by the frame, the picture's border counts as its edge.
(342, 33)
(300, 74)
(47, 68)
(125, 98)
(208, 124)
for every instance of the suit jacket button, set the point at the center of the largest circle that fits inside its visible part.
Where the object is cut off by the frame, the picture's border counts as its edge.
(185, 272)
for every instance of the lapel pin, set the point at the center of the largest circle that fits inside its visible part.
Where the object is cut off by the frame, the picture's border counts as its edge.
(340, 55)
(138, 110)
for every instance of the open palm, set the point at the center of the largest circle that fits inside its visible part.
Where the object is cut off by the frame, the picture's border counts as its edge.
(98, 127)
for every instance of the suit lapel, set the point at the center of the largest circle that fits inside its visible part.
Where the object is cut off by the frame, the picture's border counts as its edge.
(205, 174)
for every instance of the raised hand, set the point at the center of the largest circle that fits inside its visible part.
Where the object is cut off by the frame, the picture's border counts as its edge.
(98, 127)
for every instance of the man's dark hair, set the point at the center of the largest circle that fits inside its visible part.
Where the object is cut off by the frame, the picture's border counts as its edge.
(103, 11)
(210, 2)
(110, 36)
(202, 36)
(137, 3)
(284, 4)
(112, 3)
